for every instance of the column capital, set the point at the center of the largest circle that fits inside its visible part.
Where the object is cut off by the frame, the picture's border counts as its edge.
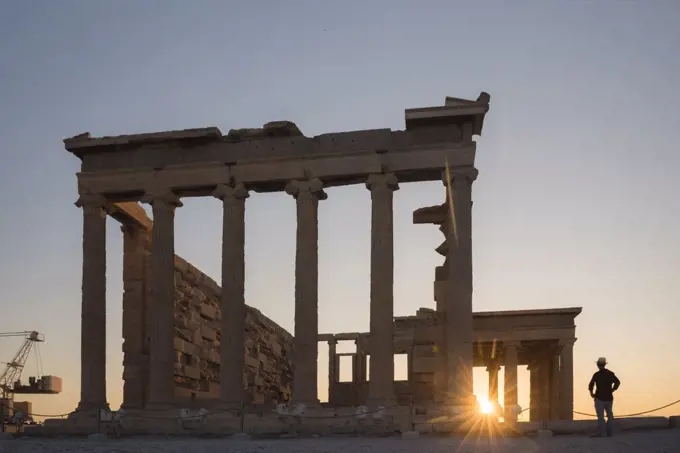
(493, 366)
(378, 181)
(567, 342)
(233, 190)
(162, 198)
(91, 201)
(460, 175)
(310, 187)
(533, 365)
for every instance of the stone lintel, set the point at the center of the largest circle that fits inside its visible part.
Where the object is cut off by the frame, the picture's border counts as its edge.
(268, 175)
(131, 213)
(344, 336)
(572, 311)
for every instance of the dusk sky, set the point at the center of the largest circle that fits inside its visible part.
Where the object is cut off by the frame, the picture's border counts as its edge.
(577, 202)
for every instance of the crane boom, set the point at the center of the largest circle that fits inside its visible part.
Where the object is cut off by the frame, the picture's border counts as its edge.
(27, 334)
(12, 372)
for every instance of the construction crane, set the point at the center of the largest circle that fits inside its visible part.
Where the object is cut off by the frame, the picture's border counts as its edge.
(10, 379)
(12, 372)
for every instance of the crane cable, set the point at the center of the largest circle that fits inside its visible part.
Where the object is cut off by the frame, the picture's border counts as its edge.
(38, 359)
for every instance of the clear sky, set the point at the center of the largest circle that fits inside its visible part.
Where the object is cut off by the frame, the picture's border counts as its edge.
(576, 203)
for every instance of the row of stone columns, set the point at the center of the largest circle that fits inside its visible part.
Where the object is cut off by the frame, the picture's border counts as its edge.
(161, 367)
(551, 386)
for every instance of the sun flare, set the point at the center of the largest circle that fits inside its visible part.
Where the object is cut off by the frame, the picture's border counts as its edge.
(486, 407)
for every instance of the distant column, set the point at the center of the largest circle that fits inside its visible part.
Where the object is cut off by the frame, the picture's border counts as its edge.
(162, 310)
(441, 372)
(232, 301)
(567, 379)
(554, 387)
(459, 333)
(544, 388)
(333, 375)
(362, 361)
(93, 304)
(307, 195)
(510, 390)
(381, 379)
(534, 392)
(493, 369)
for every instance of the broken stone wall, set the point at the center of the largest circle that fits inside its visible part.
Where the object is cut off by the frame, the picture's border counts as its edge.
(268, 347)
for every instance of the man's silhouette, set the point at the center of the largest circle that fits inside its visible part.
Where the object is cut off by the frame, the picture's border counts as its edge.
(607, 383)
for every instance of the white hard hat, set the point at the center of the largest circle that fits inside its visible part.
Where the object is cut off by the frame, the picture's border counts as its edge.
(602, 361)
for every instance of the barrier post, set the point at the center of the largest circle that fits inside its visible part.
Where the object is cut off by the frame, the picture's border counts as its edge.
(242, 414)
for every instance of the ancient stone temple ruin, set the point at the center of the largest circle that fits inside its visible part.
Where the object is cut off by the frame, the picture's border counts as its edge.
(188, 340)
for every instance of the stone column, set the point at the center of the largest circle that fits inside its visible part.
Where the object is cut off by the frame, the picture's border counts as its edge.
(544, 388)
(135, 360)
(381, 379)
(93, 308)
(307, 195)
(493, 369)
(232, 302)
(534, 392)
(357, 381)
(554, 387)
(333, 375)
(567, 379)
(459, 333)
(441, 362)
(356, 369)
(162, 310)
(510, 399)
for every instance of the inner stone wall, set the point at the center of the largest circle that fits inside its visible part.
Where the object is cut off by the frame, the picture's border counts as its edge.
(268, 347)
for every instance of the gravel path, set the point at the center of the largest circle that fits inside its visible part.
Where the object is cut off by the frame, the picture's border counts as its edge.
(640, 442)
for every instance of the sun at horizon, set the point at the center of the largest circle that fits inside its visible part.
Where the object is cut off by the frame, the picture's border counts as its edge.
(485, 406)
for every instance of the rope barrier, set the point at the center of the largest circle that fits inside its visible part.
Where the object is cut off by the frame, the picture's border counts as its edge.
(636, 414)
(29, 414)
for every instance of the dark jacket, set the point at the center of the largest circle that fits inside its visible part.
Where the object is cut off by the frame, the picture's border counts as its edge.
(606, 383)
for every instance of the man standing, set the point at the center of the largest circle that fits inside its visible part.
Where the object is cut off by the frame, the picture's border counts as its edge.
(607, 383)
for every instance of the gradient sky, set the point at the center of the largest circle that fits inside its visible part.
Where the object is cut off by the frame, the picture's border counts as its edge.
(576, 203)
